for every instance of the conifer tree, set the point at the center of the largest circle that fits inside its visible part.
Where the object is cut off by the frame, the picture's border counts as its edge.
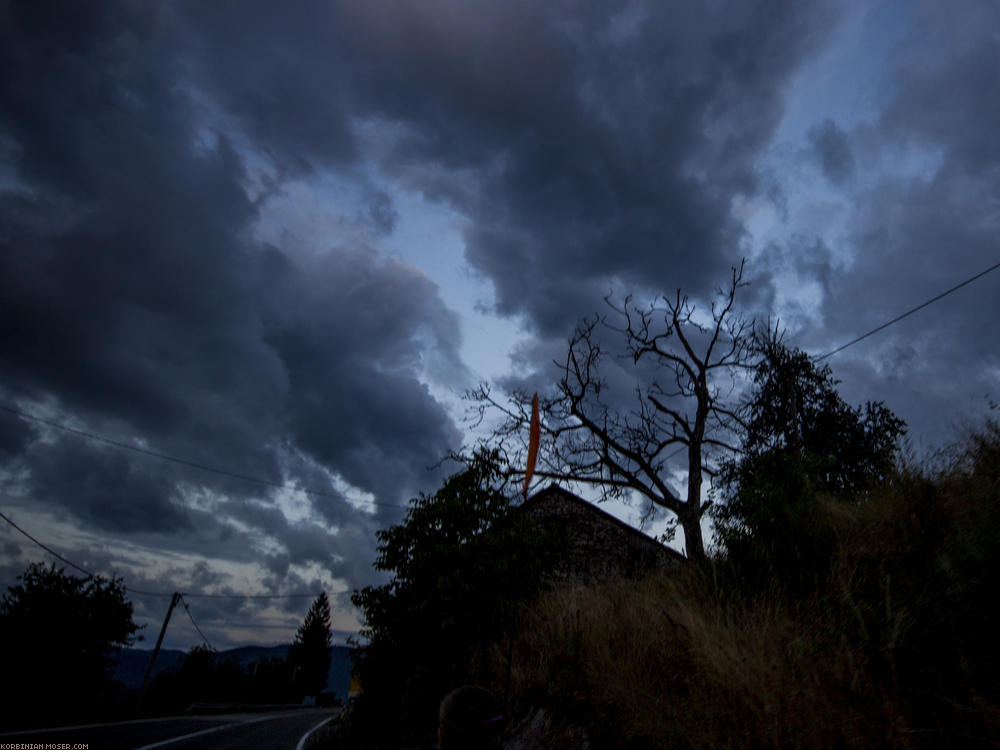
(310, 653)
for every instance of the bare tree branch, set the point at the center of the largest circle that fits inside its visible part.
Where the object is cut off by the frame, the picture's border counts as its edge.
(587, 439)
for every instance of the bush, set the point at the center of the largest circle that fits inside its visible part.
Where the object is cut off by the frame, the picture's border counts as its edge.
(916, 574)
(803, 446)
(895, 647)
(461, 563)
(673, 663)
(59, 633)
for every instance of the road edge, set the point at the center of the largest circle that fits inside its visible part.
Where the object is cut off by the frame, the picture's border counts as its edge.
(302, 741)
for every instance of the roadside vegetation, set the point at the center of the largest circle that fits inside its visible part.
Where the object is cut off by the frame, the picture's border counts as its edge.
(62, 636)
(847, 601)
(895, 647)
(61, 630)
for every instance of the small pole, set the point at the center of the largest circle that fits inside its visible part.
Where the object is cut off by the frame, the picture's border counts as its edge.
(156, 649)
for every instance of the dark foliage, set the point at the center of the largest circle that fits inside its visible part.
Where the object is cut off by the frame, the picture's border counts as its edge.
(895, 647)
(803, 446)
(204, 677)
(59, 633)
(461, 562)
(209, 677)
(917, 572)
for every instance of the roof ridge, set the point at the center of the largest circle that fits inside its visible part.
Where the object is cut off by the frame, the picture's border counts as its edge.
(553, 487)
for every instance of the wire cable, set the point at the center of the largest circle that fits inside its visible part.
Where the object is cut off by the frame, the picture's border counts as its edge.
(231, 596)
(252, 626)
(191, 617)
(181, 461)
(47, 548)
(140, 592)
(160, 593)
(898, 318)
(260, 596)
(73, 564)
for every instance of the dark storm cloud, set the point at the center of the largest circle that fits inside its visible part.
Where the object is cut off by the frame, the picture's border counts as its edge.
(15, 435)
(833, 150)
(356, 336)
(585, 145)
(586, 142)
(947, 93)
(348, 555)
(923, 231)
(277, 72)
(105, 489)
(135, 303)
(382, 214)
(917, 241)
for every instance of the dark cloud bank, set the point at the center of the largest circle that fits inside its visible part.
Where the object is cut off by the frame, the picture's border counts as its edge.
(921, 217)
(134, 302)
(589, 146)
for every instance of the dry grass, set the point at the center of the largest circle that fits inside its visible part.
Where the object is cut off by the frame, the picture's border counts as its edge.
(662, 663)
(898, 649)
(891, 642)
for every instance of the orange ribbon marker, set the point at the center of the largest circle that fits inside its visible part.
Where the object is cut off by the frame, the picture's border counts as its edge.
(533, 437)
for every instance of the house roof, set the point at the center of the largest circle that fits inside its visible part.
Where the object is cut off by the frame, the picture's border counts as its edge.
(554, 491)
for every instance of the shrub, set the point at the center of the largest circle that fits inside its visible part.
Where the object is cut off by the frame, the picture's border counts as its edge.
(895, 647)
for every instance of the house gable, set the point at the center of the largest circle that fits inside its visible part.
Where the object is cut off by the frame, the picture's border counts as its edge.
(595, 544)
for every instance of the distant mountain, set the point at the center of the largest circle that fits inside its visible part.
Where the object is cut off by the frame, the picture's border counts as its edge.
(132, 664)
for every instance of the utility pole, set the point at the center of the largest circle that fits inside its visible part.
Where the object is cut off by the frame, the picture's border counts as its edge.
(152, 659)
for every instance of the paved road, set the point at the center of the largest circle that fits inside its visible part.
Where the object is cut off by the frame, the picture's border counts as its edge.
(275, 731)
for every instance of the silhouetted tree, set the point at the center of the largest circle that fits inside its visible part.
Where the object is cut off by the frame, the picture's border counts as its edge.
(310, 653)
(59, 633)
(802, 444)
(204, 676)
(684, 367)
(461, 562)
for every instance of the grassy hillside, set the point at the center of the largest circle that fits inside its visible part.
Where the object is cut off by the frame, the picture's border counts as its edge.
(883, 635)
(897, 647)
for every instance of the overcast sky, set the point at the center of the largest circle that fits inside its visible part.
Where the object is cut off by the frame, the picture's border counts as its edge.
(282, 239)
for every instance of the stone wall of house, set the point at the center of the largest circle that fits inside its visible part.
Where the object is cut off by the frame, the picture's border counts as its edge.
(594, 544)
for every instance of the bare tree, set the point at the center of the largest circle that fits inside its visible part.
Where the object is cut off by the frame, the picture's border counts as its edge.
(689, 363)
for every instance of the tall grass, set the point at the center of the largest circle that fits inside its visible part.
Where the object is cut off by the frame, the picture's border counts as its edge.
(897, 647)
(661, 664)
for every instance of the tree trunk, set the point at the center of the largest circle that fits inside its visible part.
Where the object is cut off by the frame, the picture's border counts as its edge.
(691, 518)
(693, 544)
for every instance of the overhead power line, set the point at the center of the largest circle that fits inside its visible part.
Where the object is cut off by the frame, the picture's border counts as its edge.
(160, 593)
(48, 549)
(191, 618)
(177, 460)
(251, 625)
(70, 562)
(907, 313)
(259, 596)
(233, 596)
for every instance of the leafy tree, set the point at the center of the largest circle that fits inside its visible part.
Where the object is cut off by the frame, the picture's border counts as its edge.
(460, 562)
(204, 676)
(310, 652)
(684, 367)
(59, 633)
(802, 444)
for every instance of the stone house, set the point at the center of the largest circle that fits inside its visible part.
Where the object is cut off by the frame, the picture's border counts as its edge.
(595, 544)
